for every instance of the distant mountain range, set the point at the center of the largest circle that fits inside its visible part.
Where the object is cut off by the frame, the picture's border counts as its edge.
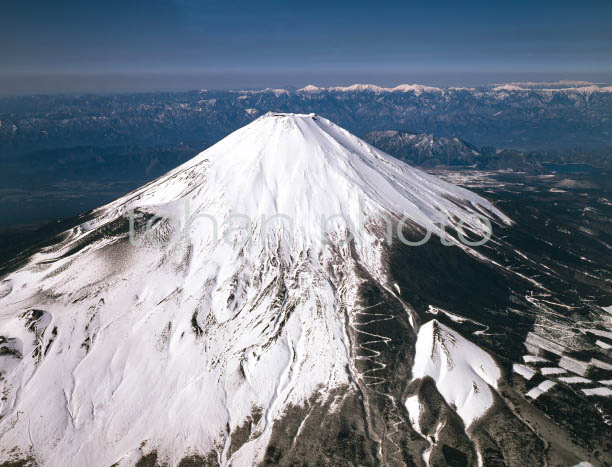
(509, 116)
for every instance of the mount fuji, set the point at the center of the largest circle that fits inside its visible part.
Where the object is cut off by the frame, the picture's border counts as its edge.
(262, 304)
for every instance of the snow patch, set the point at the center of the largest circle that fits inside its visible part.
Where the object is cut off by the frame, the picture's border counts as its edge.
(540, 342)
(553, 371)
(525, 371)
(603, 345)
(599, 332)
(574, 380)
(603, 391)
(573, 365)
(599, 364)
(414, 412)
(540, 389)
(534, 359)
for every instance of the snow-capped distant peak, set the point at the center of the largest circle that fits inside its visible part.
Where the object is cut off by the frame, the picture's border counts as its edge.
(581, 90)
(311, 88)
(418, 89)
(276, 92)
(543, 88)
(508, 87)
(358, 87)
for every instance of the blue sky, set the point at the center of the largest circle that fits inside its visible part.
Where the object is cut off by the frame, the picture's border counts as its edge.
(318, 40)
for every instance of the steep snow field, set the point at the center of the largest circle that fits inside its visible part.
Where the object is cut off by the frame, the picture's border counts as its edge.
(176, 341)
(304, 167)
(464, 373)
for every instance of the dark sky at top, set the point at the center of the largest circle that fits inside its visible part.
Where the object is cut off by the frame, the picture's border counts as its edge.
(228, 43)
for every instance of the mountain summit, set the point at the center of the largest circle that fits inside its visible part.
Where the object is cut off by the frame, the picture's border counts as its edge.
(241, 309)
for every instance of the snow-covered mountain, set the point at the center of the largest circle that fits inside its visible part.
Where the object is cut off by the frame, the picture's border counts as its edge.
(243, 309)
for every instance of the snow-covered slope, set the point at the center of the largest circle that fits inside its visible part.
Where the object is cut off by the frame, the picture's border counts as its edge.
(305, 167)
(176, 338)
(464, 373)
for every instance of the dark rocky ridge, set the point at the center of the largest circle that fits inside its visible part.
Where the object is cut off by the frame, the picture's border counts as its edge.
(428, 151)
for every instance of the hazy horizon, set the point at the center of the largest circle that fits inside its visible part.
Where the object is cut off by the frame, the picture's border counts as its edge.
(173, 45)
